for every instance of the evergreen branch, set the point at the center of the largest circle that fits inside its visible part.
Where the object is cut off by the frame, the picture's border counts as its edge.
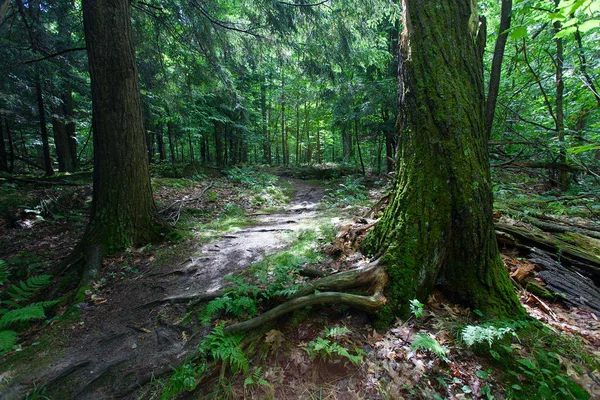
(303, 5)
(54, 55)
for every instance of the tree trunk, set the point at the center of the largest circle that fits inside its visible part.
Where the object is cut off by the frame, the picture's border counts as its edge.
(218, 143)
(43, 129)
(123, 210)
(3, 156)
(160, 143)
(171, 141)
(563, 175)
(11, 147)
(438, 228)
(360, 157)
(492, 97)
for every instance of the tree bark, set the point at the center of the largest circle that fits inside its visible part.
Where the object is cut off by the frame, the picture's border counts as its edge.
(563, 175)
(438, 228)
(123, 211)
(170, 129)
(493, 86)
(43, 129)
(3, 156)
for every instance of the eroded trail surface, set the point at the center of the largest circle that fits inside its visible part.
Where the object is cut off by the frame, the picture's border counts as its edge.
(132, 330)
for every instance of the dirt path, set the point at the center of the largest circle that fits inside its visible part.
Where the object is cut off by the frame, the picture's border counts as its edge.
(119, 344)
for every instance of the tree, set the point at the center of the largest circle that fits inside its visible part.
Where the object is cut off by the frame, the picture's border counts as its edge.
(438, 227)
(123, 210)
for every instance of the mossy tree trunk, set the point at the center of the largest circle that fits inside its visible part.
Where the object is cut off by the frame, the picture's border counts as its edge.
(123, 210)
(438, 227)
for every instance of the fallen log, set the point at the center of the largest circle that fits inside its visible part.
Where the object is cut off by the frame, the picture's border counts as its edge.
(574, 289)
(585, 261)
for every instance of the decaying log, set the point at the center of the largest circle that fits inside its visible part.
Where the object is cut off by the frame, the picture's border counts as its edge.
(575, 290)
(582, 260)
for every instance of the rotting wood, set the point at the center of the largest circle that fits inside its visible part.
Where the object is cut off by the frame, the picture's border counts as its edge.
(584, 261)
(575, 289)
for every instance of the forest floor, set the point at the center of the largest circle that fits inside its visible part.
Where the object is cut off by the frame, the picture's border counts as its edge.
(136, 332)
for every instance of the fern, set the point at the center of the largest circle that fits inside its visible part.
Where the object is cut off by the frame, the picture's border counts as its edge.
(236, 306)
(328, 349)
(225, 348)
(7, 340)
(473, 334)
(27, 313)
(4, 273)
(422, 341)
(337, 331)
(25, 290)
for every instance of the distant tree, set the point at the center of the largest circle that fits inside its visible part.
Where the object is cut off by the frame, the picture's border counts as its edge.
(123, 210)
(438, 227)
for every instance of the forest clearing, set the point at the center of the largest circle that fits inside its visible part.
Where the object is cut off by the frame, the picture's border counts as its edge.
(334, 199)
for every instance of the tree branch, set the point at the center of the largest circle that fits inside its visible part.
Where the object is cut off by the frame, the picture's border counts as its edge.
(303, 5)
(54, 55)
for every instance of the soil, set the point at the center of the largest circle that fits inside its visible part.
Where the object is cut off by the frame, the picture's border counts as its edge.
(131, 330)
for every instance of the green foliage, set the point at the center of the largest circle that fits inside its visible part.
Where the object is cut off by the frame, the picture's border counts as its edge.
(226, 349)
(17, 309)
(184, 378)
(255, 380)
(330, 349)
(474, 334)
(351, 192)
(234, 305)
(422, 341)
(4, 272)
(416, 308)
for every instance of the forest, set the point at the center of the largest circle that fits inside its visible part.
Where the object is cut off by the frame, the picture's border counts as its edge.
(299, 199)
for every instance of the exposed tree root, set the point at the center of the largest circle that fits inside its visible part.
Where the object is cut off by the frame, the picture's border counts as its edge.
(100, 374)
(366, 303)
(371, 277)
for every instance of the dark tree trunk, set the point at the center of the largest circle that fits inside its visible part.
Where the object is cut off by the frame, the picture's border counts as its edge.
(123, 210)
(563, 175)
(170, 129)
(438, 227)
(346, 144)
(492, 97)
(219, 143)
(11, 147)
(43, 129)
(3, 156)
(160, 143)
(360, 157)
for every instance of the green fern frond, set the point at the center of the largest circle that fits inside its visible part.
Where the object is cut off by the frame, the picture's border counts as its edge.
(225, 348)
(4, 272)
(422, 341)
(24, 290)
(473, 334)
(213, 307)
(7, 340)
(27, 313)
(336, 331)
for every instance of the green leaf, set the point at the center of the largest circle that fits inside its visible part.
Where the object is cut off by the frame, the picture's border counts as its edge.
(565, 32)
(527, 363)
(482, 374)
(518, 33)
(589, 24)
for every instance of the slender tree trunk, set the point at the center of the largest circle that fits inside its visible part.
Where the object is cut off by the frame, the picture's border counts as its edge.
(297, 134)
(496, 71)
(11, 147)
(170, 133)
(284, 149)
(3, 155)
(360, 157)
(438, 226)
(160, 142)
(43, 129)
(191, 147)
(218, 143)
(563, 176)
(123, 211)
